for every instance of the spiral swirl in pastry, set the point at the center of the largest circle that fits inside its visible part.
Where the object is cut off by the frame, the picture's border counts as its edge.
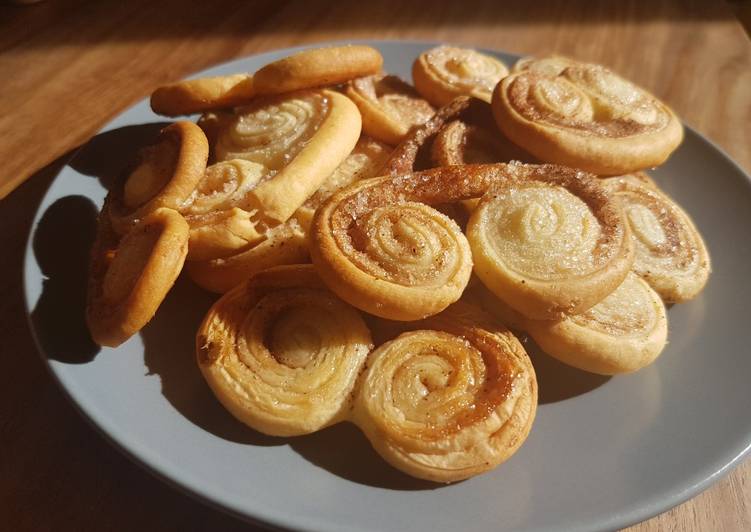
(283, 244)
(445, 72)
(302, 136)
(389, 107)
(164, 176)
(450, 400)
(129, 279)
(318, 67)
(216, 210)
(624, 332)
(669, 251)
(380, 247)
(586, 117)
(203, 94)
(282, 353)
(550, 243)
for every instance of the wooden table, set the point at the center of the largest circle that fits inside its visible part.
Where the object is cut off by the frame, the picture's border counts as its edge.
(69, 66)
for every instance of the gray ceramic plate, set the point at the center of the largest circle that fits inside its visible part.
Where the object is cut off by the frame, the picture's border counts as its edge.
(603, 453)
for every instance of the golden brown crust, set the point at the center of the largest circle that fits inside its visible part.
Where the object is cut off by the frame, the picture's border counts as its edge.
(164, 176)
(389, 107)
(318, 67)
(586, 117)
(204, 94)
(553, 242)
(670, 253)
(453, 398)
(129, 279)
(445, 72)
(282, 353)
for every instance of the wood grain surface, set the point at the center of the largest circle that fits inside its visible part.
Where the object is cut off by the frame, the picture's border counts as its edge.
(66, 67)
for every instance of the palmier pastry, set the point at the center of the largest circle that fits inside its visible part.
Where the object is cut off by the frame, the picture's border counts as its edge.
(389, 107)
(317, 68)
(380, 247)
(624, 332)
(287, 243)
(670, 253)
(445, 72)
(218, 212)
(203, 94)
(302, 137)
(282, 353)
(584, 116)
(449, 400)
(550, 243)
(164, 176)
(129, 278)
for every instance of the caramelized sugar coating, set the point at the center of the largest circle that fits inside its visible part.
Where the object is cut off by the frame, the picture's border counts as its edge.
(164, 175)
(670, 253)
(282, 353)
(204, 94)
(389, 107)
(450, 399)
(550, 243)
(129, 277)
(445, 72)
(584, 116)
(317, 68)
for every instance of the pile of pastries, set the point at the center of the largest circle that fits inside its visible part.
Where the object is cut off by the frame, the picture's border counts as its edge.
(377, 242)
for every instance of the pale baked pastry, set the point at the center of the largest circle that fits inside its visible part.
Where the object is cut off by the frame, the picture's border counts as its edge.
(282, 353)
(389, 107)
(584, 116)
(204, 94)
(164, 175)
(286, 243)
(624, 332)
(445, 72)
(302, 137)
(318, 67)
(129, 277)
(551, 242)
(451, 399)
(670, 253)
(218, 211)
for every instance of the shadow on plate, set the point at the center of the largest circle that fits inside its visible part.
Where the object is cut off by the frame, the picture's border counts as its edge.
(106, 155)
(169, 352)
(61, 242)
(557, 381)
(343, 450)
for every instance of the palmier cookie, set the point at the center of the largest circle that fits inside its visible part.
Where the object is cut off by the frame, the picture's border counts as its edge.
(670, 254)
(585, 116)
(282, 353)
(445, 72)
(624, 332)
(204, 94)
(129, 277)
(389, 107)
(318, 67)
(550, 243)
(451, 398)
(165, 175)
